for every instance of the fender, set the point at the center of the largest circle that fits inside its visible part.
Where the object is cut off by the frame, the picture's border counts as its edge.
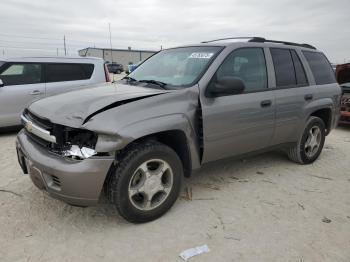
(118, 127)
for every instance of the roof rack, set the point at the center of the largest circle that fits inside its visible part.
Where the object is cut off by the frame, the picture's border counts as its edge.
(256, 39)
(230, 38)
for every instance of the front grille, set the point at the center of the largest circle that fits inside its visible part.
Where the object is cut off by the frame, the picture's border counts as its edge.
(43, 123)
(55, 137)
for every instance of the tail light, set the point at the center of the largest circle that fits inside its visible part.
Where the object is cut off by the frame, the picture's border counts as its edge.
(107, 76)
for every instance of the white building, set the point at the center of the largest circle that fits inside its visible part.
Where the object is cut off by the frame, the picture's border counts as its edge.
(120, 56)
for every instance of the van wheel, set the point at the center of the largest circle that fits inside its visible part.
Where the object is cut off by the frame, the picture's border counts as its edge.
(310, 144)
(146, 182)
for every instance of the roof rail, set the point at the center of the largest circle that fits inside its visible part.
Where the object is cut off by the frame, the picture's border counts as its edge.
(256, 39)
(263, 40)
(231, 38)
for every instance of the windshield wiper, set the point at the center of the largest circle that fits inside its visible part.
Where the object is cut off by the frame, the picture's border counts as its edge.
(155, 82)
(128, 78)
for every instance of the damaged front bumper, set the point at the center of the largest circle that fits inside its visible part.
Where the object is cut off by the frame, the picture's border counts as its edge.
(77, 182)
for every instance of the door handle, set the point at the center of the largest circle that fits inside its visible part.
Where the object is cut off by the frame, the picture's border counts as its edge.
(266, 103)
(308, 97)
(35, 92)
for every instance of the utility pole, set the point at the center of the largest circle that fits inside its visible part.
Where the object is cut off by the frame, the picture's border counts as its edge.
(110, 40)
(64, 44)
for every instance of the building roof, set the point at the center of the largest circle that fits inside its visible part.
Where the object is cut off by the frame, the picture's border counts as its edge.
(118, 49)
(52, 59)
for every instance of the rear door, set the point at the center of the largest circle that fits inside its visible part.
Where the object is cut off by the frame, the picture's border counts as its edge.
(63, 77)
(241, 123)
(292, 94)
(23, 83)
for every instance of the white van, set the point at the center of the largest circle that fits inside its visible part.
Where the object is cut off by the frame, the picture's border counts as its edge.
(23, 80)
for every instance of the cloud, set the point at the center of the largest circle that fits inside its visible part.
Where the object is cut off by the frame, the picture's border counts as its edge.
(40, 25)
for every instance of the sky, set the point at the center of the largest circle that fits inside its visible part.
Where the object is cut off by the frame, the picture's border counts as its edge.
(37, 27)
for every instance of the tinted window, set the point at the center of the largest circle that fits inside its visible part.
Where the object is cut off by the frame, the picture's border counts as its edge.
(299, 70)
(247, 64)
(68, 72)
(21, 74)
(320, 67)
(284, 68)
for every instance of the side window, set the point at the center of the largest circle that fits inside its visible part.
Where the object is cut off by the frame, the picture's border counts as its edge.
(249, 65)
(299, 70)
(21, 74)
(320, 67)
(68, 72)
(284, 68)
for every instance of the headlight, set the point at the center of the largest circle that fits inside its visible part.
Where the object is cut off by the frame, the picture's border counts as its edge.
(75, 143)
(79, 153)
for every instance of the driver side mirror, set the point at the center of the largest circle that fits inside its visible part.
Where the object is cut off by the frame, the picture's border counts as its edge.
(1, 83)
(226, 86)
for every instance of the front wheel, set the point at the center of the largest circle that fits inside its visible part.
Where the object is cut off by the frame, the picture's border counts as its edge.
(310, 144)
(146, 182)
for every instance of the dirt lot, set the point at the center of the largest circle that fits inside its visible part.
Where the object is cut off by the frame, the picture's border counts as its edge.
(262, 208)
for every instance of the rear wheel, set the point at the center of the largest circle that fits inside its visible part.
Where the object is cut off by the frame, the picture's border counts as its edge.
(147, 181)
(310, 144)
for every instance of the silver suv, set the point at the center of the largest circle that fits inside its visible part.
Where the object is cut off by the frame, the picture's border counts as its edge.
(23, 80)
(180, 109)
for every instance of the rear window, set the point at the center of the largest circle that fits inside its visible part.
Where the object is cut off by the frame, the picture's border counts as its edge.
(299, 70)
(68, 72)
(284, 69)
(289, 70)
(320, 67)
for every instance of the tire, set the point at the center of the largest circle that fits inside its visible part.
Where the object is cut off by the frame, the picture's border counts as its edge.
(301, 152)
(121, 189)
(118, 72)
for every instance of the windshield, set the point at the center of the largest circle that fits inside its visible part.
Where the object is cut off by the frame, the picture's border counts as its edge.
(176, 67)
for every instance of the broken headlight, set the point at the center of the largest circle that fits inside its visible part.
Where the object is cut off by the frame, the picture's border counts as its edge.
(75, 143)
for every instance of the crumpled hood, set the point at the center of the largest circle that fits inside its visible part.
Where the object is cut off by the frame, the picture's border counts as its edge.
(73, 108)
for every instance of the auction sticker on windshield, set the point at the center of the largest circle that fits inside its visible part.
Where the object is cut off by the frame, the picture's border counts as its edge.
(201, 55)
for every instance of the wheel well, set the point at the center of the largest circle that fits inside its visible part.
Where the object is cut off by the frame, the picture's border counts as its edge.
(326, 115)
(175, 139)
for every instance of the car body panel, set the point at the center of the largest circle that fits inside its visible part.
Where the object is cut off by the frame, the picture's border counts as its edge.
(74, 107)
(13, 99)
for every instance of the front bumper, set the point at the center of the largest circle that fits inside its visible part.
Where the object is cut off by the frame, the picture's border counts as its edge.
(77, 182)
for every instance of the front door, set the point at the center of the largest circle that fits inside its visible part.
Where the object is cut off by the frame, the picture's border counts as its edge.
(240, 123)
(22, 85)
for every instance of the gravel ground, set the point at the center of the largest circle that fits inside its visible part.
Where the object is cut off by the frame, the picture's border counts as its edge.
(263, 208)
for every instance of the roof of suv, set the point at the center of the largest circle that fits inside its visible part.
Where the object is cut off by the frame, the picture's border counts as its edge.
(54, 59)
(254, 41)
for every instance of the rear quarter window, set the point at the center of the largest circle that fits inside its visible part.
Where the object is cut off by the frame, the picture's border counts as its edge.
(68, 72)
(320, 67)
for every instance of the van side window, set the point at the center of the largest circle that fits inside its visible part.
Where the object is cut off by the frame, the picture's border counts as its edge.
(320, 67)
(21, 74)
(249, 65)
(68, 72)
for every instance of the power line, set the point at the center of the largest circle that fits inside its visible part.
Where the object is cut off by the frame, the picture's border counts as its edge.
(44, 38)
